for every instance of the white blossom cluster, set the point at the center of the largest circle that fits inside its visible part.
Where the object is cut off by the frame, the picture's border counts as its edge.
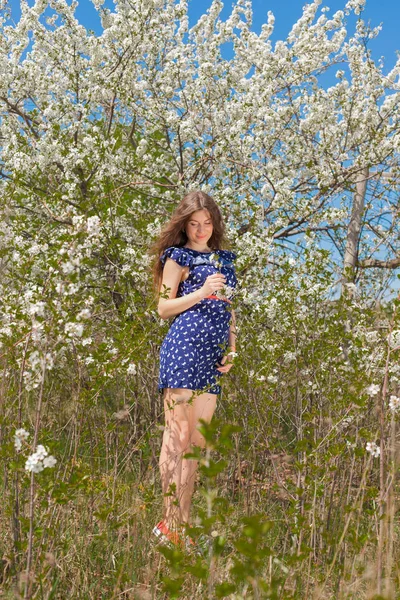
(394, 403)
(131, 370)
(373, 389)
(74, 329)
(19, 436)
(35, 364)
(39, 460)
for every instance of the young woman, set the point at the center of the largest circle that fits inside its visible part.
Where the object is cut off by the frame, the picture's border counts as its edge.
(195, 282)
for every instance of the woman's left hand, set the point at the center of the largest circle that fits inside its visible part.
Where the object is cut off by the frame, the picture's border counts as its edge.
(226, 363)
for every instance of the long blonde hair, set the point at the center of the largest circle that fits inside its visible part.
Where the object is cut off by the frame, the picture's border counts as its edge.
(173, 232)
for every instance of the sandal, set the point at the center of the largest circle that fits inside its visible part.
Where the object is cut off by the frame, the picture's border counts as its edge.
(166, 536)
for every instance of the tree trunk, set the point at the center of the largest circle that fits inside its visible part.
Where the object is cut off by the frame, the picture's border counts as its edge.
(354, 229)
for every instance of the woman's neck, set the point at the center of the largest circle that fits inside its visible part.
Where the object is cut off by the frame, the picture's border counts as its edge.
(206, 249)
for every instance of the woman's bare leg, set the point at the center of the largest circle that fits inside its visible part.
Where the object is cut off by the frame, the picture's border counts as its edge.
(203, 407)
(175, 443)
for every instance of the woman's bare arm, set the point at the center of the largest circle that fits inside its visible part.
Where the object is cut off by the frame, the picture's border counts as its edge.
(171, 306)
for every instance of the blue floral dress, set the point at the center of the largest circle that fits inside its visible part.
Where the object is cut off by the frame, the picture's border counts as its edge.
(198, 337)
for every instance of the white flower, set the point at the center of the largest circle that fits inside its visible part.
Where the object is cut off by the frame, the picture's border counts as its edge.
(394, 403)
(141, 147)
(20, 434)
(215, 259)
(41, 452)
(84, 314)
(373, 389)
(214, 534)
(72, 329)
(77, 220)
(49, 461)
(289, 356)
(39, 460)
(373, 449)
(37, 309)
(372, 337)
(226, 292)
(34, 464)
(154, 228)
(93, 226)
(68, 267)
(131, 370)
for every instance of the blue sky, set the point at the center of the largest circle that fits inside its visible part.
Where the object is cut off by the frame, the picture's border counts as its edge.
(287, 12)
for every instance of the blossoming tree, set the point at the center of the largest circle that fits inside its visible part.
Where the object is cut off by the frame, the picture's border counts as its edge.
(101, 136)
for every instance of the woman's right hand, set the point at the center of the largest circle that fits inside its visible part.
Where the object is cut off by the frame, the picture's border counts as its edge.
(212, 284)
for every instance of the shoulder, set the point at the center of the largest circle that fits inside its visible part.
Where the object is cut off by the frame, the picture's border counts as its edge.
(227, 255)
(178, 254)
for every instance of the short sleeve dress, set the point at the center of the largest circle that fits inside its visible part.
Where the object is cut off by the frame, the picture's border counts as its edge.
(198, 337)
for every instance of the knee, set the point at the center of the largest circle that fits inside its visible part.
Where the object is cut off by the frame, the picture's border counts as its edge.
(177, 432)
(184, 434)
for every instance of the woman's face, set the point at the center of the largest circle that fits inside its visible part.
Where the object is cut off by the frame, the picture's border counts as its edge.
(199, 227)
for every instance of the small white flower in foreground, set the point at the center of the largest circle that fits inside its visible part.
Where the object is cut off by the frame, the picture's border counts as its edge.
(373, 389)
(49, 461)
(214, 534)
(20, 434)
(131, 370)
(39, 460)
(373, 449)
(34, 464)
(41, 452)
(394, 403)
